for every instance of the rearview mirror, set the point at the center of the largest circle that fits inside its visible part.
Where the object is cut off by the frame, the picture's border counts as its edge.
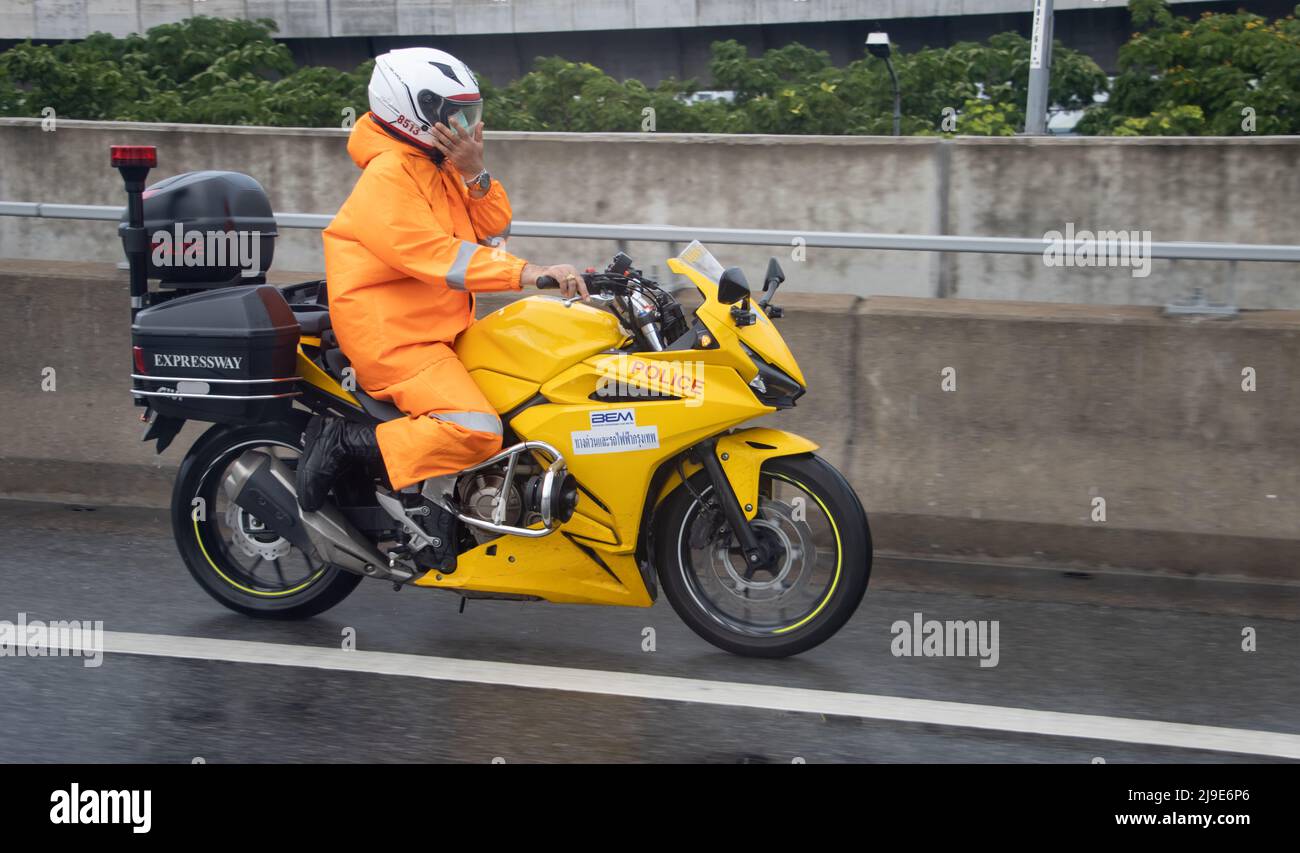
(732, 286)
(775, 275)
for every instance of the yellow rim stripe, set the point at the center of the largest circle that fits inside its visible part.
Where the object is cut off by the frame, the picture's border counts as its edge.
(839, 556)
(198, 536)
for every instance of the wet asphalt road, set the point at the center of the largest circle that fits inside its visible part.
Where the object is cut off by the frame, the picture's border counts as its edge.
(1114, 645)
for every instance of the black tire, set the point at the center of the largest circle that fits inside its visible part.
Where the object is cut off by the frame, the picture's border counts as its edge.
(214, 562)
(826, 613)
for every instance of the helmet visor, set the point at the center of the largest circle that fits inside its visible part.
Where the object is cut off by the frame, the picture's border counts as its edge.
(463, 115)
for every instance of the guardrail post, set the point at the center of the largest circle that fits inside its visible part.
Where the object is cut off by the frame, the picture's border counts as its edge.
(1199, 306)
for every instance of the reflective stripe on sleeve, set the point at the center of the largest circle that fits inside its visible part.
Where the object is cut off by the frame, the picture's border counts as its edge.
(460, 267)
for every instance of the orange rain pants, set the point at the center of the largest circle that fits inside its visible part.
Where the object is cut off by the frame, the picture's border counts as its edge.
(403, 258)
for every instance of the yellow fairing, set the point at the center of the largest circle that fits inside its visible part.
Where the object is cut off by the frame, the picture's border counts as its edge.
(313, 375)
(535, 338)
(762, 337)
(590, 559)
(586, 561)
(555, 568)
(503, 391)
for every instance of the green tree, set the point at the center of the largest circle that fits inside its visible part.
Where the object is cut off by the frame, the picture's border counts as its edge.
(200, 70)
(559, 95)
(564, 96)
(1219, 75)
(798, 90)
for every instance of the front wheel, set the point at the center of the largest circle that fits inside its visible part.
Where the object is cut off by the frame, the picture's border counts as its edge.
(814, 526)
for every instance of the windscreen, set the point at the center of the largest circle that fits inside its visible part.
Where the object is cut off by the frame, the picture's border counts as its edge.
(701, 260)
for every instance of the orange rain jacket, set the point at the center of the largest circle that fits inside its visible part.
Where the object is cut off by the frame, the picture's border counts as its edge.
(403, 258)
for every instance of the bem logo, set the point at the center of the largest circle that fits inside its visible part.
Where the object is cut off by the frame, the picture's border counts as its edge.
(614, 417)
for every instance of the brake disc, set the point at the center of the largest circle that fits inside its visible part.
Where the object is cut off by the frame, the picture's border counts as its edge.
(795, 554)
(253, 538)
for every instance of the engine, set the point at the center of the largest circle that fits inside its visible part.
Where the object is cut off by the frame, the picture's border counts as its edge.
(534, 496)
(481, 494)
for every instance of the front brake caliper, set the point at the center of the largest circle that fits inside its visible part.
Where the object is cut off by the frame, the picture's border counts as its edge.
(709, 527)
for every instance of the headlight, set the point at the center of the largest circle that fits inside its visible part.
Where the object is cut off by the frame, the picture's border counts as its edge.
(773, 386)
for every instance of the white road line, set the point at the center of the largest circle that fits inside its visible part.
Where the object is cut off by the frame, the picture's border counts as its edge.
(672, 689)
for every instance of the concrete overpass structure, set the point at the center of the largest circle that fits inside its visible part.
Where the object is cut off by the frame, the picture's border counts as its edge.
(645, 39)
(337, 18)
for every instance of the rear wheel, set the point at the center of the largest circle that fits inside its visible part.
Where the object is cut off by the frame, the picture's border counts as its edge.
(234, 557)
(814, 526)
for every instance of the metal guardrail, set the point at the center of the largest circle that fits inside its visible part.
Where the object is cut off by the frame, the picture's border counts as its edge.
(749, 237)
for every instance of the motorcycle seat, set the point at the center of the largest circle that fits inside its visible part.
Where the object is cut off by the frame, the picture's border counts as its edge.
(336, 363)
(313, 321)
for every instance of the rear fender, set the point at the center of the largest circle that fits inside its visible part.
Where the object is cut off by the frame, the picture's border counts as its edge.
(295, 419)
(162, 429)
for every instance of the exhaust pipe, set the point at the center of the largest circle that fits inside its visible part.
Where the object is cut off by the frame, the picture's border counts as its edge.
(264, 486)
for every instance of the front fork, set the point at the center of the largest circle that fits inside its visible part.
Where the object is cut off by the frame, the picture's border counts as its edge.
(757, 554)
(733, 463)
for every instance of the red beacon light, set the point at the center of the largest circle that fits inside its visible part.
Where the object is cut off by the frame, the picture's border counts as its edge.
(133, 163)
(134, 155)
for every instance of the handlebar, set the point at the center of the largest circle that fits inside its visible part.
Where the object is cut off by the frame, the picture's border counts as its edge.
(550, 282)
(650, 313)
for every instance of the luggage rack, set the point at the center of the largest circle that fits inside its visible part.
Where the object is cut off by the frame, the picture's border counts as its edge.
(181, 395)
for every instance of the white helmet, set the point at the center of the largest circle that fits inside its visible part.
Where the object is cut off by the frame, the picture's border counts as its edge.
(413, 88)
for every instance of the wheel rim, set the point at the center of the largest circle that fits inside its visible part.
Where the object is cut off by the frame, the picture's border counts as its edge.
(237, 546)
(781, 597)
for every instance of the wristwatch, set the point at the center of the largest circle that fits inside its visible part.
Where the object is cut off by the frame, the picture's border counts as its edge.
(482, 181)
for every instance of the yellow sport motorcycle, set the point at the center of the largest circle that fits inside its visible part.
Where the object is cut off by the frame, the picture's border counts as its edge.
(624, 466)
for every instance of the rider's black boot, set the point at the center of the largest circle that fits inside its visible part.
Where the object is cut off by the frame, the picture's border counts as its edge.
(332, 445)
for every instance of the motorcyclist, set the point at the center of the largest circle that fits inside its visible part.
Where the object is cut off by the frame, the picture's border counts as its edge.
(419, 235)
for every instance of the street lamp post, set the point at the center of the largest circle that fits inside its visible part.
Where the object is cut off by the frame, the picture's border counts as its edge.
(1040, 69)
(878, 45)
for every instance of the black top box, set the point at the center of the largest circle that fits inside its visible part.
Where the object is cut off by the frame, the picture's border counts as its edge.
(208, 229)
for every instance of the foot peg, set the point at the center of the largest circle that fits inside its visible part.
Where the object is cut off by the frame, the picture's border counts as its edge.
(433, 531)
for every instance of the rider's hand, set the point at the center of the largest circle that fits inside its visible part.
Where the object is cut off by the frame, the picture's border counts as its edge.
(464, 149)
(571, 281)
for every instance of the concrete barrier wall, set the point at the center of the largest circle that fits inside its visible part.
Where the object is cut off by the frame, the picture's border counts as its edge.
(1231, 190)
(1054, 405)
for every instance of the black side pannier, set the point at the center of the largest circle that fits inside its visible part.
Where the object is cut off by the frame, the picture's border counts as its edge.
(208, 229)
(227, 355)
